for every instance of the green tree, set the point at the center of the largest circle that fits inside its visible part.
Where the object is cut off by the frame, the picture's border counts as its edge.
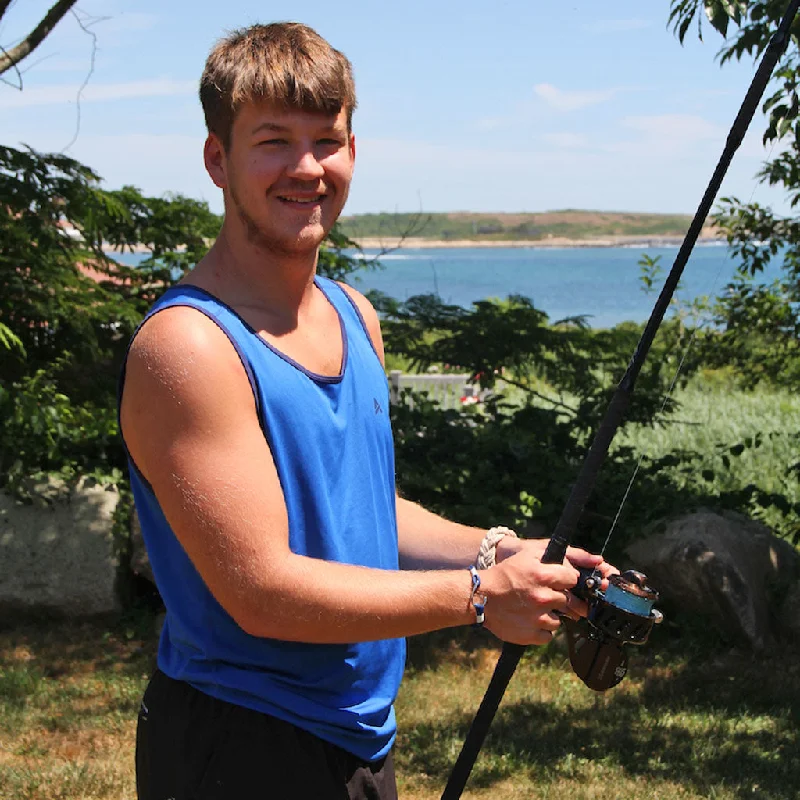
(760, 322)
(67, 308)
(514, 457)
(69, 305)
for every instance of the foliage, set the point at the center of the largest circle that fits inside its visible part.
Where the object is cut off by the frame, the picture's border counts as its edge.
(44, 433)
(68, 307)
(515, 459)
(9, 340)
(503, 227)
(758, 323)
(174, 230)
(49, 305)
(335, 261)
(737, 448)
(514, 341)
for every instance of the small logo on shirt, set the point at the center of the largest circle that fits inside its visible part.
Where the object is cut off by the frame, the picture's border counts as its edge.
(378, 409)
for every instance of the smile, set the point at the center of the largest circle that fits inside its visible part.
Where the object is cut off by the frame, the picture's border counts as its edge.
(302, 200)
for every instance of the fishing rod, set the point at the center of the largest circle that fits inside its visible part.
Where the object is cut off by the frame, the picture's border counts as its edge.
(624, 613)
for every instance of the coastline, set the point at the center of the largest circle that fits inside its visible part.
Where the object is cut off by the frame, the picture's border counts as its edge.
(551, 242)
(387, 244)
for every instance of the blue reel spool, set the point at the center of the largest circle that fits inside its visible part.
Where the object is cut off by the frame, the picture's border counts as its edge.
(629, 592)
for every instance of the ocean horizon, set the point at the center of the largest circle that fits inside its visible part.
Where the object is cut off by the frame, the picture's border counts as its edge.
(602, 284)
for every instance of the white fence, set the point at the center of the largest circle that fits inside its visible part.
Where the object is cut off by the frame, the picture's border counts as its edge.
(449, 391)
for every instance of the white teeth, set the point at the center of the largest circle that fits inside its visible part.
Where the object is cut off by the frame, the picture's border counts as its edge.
(303, 199)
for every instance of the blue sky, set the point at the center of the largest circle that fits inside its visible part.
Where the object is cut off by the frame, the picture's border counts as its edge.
(522, 105)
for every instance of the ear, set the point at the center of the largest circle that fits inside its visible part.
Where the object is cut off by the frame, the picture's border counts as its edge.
(216, 161)
(352, 145)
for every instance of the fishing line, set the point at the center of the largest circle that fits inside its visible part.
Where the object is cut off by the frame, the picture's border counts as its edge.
(684, 355)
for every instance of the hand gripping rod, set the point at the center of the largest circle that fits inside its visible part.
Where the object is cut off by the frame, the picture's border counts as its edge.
(584, 484)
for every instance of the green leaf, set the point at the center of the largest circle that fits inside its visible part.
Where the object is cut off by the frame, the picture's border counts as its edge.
(717, 16)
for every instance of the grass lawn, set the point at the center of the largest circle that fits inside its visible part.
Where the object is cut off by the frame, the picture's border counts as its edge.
(691, 721)
(713, 420)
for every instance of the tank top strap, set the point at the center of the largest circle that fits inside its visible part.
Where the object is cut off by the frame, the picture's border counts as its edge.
(345, 305)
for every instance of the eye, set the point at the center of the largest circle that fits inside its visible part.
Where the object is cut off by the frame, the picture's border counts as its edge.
(274, 142)
(330, 142)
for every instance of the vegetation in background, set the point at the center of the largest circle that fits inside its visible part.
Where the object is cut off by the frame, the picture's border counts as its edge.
(760, 322)
(68, 307)
(569, 224)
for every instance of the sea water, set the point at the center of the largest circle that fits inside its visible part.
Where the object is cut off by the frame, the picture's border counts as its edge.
(604, 284)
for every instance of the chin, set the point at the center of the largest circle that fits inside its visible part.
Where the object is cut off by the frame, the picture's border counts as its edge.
(305, 242)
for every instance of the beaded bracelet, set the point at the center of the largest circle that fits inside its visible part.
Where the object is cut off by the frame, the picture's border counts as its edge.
(478, 600)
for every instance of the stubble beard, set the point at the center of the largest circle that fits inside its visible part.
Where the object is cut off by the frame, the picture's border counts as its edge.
(272, 242)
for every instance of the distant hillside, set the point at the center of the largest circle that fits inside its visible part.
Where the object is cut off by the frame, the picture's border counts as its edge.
(564, 225)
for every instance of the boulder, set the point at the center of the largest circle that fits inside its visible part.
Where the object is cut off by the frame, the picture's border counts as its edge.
(57, 553)
(789, 613)
(726, 567)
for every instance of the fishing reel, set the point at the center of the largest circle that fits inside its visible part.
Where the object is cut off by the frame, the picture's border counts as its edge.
(622, 614)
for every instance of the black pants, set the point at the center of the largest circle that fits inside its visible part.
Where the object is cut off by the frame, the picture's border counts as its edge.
(190, 746)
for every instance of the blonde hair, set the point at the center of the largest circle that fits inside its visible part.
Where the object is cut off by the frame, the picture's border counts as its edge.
(285, 63)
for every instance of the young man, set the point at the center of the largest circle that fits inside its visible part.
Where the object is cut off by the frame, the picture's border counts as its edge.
(255, 413)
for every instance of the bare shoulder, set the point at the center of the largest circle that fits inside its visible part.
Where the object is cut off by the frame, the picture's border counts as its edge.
(369, 315)
(181, 371)
(180, 348)
(177, 341)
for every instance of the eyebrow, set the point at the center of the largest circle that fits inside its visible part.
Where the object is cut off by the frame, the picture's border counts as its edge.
(275, 127)
(270, 126)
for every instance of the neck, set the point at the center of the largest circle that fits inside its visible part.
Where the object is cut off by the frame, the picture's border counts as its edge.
(242, 272)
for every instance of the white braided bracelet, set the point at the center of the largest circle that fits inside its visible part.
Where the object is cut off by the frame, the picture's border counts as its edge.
(488, 550)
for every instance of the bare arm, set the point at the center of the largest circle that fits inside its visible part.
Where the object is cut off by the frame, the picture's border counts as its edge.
(189, 421)
(190, 424)
(428, 541)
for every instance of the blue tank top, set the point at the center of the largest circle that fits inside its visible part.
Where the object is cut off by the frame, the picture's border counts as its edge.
(331, 441)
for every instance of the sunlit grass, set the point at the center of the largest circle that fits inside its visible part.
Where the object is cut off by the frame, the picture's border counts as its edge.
(676, 728)
(69, 694)
(712, 420)
(689, 721)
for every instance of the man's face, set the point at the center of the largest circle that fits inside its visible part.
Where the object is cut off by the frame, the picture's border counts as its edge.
(286, 174)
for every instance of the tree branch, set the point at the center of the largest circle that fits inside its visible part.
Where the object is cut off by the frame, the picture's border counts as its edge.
(36, 36)
(4, 4)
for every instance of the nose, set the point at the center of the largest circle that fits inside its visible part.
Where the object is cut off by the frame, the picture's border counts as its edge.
(306, 167)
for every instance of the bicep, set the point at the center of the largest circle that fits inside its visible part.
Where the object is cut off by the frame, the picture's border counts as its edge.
(190, 424)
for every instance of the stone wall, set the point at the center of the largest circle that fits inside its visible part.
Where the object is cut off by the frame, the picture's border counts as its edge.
(57, 553)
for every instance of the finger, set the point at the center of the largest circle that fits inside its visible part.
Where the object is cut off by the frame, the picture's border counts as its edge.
(550, 622)
(607, 569)
(536, 637)
(557, 576)
(571, 606)
(555, 601)
(583, 558)
(575, 607)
